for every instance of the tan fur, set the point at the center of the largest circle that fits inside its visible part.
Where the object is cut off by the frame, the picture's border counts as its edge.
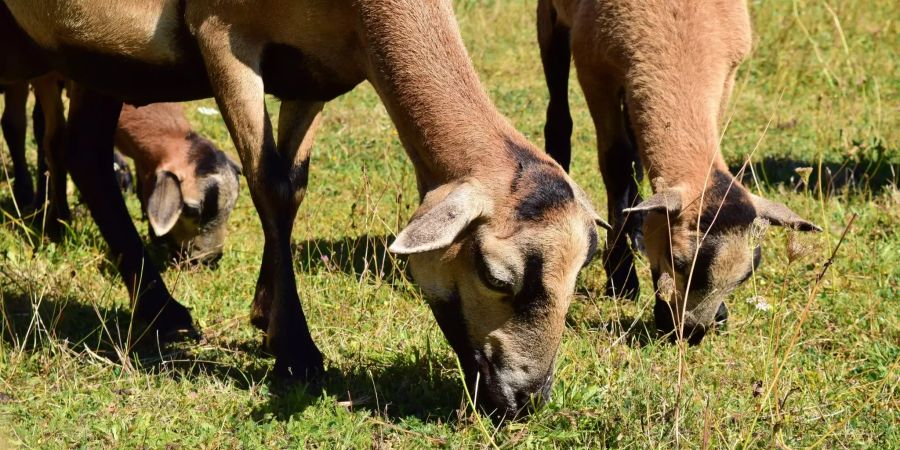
(674, 59)
(142, 29)
(155, 137)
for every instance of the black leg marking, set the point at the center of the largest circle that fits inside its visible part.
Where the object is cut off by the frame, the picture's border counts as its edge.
(621, 170)
(556, 58)
(13, 125)
(93, 120)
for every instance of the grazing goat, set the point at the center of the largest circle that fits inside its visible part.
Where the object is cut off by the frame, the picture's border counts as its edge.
(501, 232)
(657, 76)
(187, 186)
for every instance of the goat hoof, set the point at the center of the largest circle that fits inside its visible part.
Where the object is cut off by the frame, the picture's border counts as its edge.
(191, 334)
(260, 321)
(23, 192)
(304, 367)
(55, 222)
(53, 229)
(171, 324)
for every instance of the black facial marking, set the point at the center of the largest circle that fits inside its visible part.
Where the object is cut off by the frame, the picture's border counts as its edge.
(450, 319)
(544, 184)
(736, 209)
(525, 160)
(550, 191)
(210, 209)
(700, 278)
(206, 156)
(533, 297)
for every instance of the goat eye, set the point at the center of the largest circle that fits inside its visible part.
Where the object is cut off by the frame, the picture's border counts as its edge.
(496, 284)
(191, 210)
(487, 276)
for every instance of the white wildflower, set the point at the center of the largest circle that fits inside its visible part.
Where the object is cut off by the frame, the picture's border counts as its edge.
(759, 302)
(207, 111)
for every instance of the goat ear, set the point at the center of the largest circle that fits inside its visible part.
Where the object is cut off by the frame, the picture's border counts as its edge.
(440, 218)
(585, 202)
(668, 200)
(165, 202)
(779, 214)
(235, 164)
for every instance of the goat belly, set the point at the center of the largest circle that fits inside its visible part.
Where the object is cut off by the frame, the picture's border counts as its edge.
(140, 51)
(134, 81)
(291, 74)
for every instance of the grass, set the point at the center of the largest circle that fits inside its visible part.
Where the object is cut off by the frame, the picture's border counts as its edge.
(818, 368)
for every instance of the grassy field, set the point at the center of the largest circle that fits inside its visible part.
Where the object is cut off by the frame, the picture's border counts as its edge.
(799, 365)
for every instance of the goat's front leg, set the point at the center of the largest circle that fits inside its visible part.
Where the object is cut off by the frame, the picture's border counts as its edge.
(233, 63)
(13, 124)
(92, 123)
(621, 170)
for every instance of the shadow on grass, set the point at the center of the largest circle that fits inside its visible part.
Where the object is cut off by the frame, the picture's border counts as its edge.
(631, 331)
(410, 386)
(870, 170)
(25, 220)
(401, 389)
(361, 256)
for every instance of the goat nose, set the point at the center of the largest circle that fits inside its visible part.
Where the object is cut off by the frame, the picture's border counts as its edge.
(211, 260)
(527, 401)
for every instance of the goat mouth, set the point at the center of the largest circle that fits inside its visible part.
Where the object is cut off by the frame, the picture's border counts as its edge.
(664, 314)
(193, 257)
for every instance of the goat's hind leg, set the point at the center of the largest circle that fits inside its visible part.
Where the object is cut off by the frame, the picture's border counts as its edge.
(51, 150)
(238, 88)
(553, 39)
(14, 125)
(92, 123)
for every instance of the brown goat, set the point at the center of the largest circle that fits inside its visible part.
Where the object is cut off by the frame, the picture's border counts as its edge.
(501, 232)
(187, 186)
(657, 76)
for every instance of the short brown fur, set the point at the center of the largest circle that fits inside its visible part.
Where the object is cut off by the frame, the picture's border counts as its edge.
(657, 76)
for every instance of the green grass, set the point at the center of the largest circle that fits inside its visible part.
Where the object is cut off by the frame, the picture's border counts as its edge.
(820, 90)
